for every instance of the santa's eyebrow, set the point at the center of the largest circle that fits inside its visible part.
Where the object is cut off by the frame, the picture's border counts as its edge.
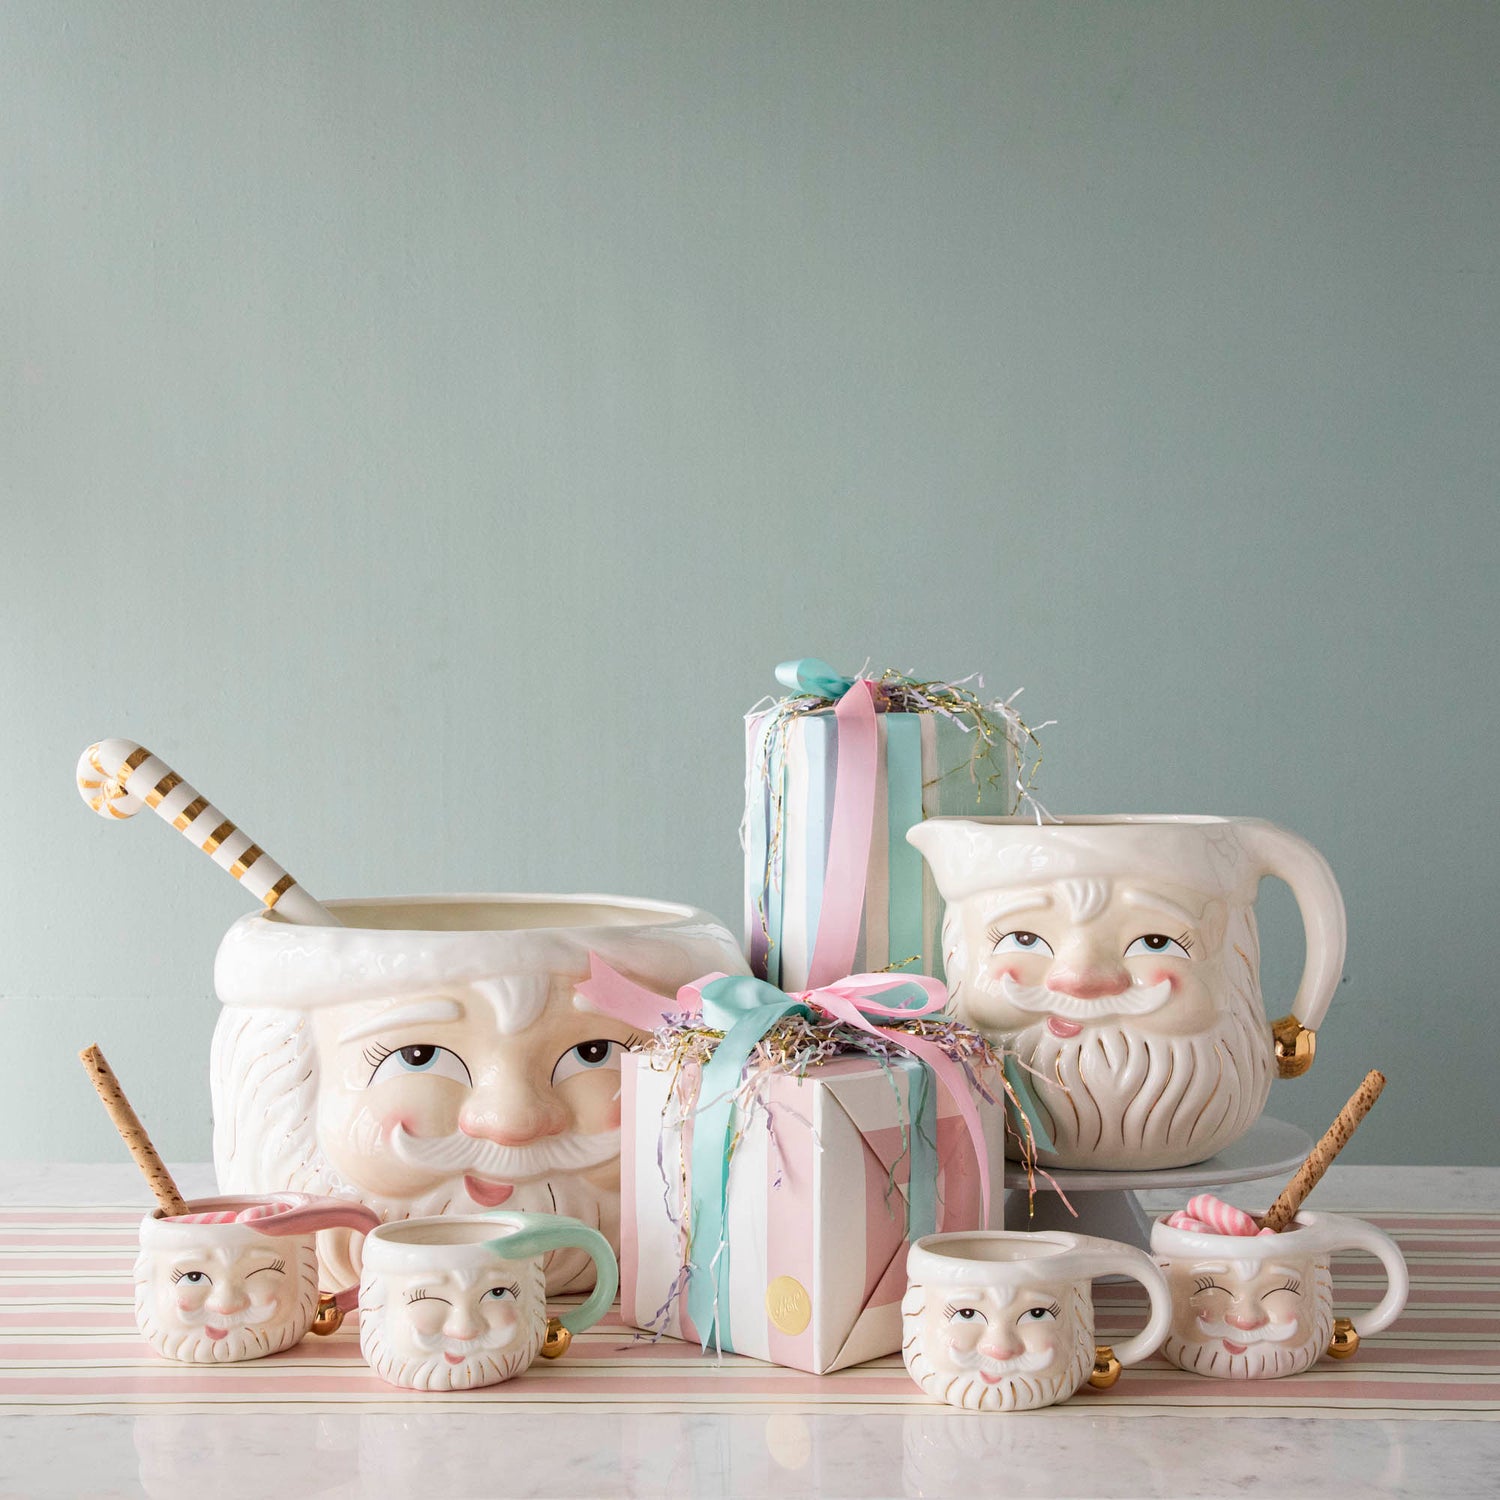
(1028, 901)
(1145, 901)
(413, 1013)
(1212, 1268)
(1284, 1270)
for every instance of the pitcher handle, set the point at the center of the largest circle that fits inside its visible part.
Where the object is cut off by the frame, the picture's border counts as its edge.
(1295, 861)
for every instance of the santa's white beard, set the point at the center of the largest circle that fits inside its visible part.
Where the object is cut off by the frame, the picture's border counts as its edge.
(1260, 1361)
(432, 1371)
(1115, 1090)
(242, 1340)
(1019, 1392)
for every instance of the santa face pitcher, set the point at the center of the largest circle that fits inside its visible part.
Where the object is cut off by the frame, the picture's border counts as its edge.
(1119, 957)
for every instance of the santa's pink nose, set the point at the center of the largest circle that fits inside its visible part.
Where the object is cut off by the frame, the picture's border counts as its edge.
(1237, 1320)
(1088, 984)
(993, 1350)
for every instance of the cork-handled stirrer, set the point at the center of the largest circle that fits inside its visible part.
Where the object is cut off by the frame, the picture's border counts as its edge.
(1346, 1122)
(133, 1133)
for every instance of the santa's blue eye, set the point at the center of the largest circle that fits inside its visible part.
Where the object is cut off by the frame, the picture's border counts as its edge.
(1036, 1314)
(1023, 942)
(500, 1293)
(587, 1057)
(419, 1057)
(1156, 945)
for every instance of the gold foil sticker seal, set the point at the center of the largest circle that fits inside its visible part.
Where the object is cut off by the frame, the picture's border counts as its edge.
(788, 1305)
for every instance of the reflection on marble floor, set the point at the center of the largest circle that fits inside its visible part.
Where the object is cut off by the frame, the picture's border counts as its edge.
(932, 1454)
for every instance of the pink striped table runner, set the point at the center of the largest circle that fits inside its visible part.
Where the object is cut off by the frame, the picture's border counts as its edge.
(68, 1344)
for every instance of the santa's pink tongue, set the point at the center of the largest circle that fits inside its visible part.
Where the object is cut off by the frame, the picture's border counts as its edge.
(487, 1194)
(1059, 1027)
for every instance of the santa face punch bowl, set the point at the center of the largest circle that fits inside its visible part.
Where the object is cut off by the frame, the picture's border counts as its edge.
(431, 1055)
(1119, 957)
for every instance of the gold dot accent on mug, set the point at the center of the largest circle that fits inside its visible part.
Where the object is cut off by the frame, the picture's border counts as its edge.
(788, 1305)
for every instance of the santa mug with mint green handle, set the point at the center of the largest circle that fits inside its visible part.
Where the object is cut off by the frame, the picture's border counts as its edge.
(460, 1301)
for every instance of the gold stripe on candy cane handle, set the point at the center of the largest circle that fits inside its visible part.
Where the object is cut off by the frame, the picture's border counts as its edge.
(217, 837)
(163, 789)
(103, 775)
(189, 814)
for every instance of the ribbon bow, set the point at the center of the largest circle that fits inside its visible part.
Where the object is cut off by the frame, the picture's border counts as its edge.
(809, 675)
(745, 1010)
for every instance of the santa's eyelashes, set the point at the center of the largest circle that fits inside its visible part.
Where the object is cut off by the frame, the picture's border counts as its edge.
(1159, 945)
(1041, 1312)
(419, 1057)
(1207, 1284)
(958, 1312)
(421, 1294)
(1291, 1284)
(278, 1266)
(1019, 941)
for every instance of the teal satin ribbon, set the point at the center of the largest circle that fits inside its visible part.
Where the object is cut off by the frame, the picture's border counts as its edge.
(809, 675)
(745, 1010)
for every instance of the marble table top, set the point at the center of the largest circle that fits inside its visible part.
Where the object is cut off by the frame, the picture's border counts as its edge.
(785, 1454)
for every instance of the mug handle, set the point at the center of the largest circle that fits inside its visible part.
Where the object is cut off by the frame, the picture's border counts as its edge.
(541, 1233)
(1355, 1234)
(1295, 861)
(308, 1215)
(1108, 1258)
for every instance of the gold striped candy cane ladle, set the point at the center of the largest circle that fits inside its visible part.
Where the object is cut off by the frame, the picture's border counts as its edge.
(115, 777)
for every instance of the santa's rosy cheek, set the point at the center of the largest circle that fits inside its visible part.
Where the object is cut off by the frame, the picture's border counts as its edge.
(1167, 977)
(612, 1118)
(503, 1319)
(999, 970)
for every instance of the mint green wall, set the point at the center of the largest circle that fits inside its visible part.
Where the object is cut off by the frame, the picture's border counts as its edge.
(427, 424)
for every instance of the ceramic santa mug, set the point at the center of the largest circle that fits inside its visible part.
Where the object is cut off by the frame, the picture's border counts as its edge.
(460, 1301)
(1119, 957)
(1248, 1307)
(1003, 1320)
(237, 1278)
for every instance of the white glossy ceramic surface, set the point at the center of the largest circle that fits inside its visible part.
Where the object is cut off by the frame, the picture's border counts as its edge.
(1257, 1307)
(1119, 956)
(431, 1055)
(444, 1307)
(1001, 1321)
(211, 1288)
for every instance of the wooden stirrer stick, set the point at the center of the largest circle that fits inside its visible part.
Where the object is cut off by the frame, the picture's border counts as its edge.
(132, 1132)
(1284, 1209)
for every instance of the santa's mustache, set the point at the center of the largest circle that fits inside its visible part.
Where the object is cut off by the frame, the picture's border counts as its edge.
(1037, 999)
(1267, 1333)
(1027, 1363)
(451, 1155)
(203, 1317)
(441, 1343)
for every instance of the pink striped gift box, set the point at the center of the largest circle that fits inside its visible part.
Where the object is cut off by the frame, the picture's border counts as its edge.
(816, 1231)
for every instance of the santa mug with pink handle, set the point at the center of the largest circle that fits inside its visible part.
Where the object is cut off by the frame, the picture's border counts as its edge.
(237, 1278)
(1248, 1307)
(1001, 1320)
